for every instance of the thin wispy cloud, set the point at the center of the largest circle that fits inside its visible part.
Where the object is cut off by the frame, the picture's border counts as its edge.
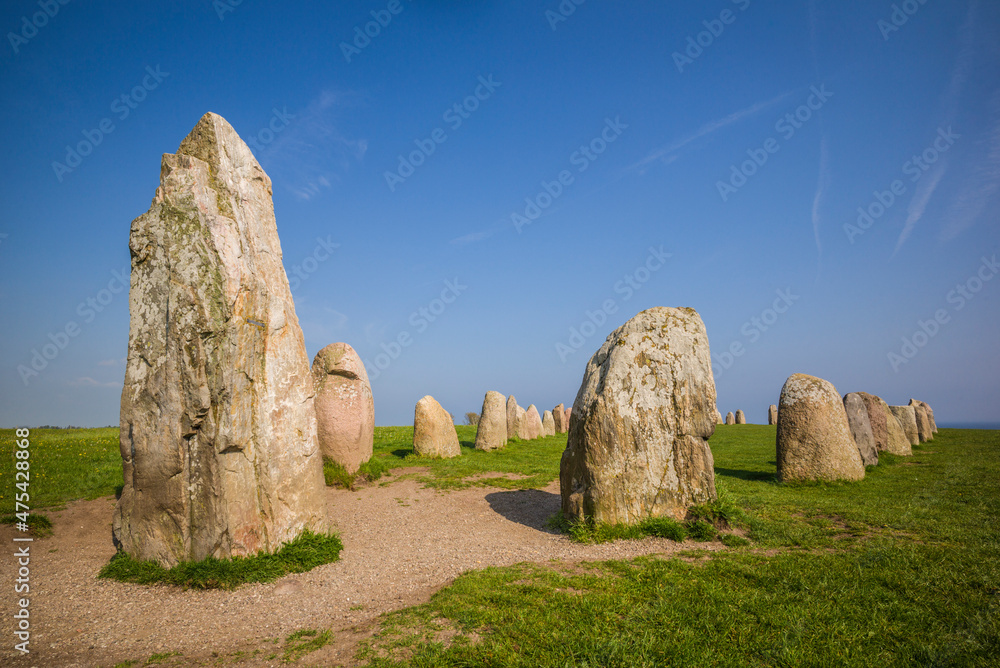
(822, 184)
(983, 185)
(952, 104)
(311, 152)
(666, 154)
(87, 381)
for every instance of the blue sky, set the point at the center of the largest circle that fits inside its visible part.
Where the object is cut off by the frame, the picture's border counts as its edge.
(603, 158)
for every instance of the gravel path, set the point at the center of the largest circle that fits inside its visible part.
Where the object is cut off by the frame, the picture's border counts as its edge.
(401, 544)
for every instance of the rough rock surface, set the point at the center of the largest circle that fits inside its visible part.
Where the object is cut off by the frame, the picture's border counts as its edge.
(730, 418)
(907, 417)
(924, 430)
(548, 424)
(814, 439)
(930, 413)
(434, 432)
(559, 419)
(218, 430)
(491, 433)
(895, 442)
(638, 434)
(345, 410)
(529, 423)
(519, 414)
(772, 414)
(512, 417)
(740, 417)
(718, 417)
(861, 428)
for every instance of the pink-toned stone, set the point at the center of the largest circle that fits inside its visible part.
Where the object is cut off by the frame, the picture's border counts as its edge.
(434, 432)
(345, 409)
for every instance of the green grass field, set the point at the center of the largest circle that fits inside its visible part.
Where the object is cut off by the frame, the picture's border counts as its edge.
(900, 569)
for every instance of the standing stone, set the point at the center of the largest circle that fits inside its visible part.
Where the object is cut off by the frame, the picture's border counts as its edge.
(861, 428)
(345, 410)
(814, 439)
(559, 419)
(491, 433)
(638, 435)
(511, 417)
(924, 430)
(888, 433)
(434, 432)
(548, 424)
(529, 424)
(718, 417)
(908, 421)
(218, 431)
(772, 414)
(569, 412)
(730, 418)
(740, 417)
(930, 414)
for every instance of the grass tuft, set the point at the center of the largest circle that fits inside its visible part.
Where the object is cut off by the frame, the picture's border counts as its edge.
(39, 525)
(304, 553)
(305, 641)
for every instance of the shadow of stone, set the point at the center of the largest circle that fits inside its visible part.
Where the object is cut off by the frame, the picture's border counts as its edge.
(530, 507)
(747, 475)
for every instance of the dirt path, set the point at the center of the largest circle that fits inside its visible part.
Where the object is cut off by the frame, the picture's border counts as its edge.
(401, 544)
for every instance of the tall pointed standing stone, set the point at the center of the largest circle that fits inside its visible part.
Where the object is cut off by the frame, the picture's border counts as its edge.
(491, 432)
(218, 432)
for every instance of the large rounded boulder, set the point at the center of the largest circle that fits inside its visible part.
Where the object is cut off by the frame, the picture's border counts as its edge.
(814, 439)
(345, 409)
(434, 432)
(491, 432)
(639, 428)
(861, 428)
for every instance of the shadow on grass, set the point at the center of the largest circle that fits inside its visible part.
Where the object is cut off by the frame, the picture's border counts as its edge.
(760, 476)
(529, 507)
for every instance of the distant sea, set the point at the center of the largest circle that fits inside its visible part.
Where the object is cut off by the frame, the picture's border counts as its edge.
(970, 425)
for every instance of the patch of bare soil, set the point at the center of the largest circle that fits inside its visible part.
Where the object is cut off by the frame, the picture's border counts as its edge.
(402, 543)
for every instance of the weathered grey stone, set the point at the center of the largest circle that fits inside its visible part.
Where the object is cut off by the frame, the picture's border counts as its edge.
(888, 433)
(559, 418)
(548, 424)
(861, 428)
(218, 430)
(529, 424)
(345, 410)
(512, 417)
(814, 439)
(924, 430)
(434, 432)
(730, 418)
(907, 417)
(637, 444)
(740, 417)
(772, 414)
(491, 433)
